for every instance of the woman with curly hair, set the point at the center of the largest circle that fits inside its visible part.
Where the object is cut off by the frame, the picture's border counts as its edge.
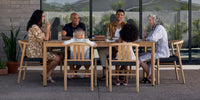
(128, 34)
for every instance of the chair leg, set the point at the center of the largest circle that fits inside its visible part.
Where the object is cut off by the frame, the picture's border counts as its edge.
(65, 76)
(158, 72)
(110, 78)
(137, 78)
(95, 72)
(19, 74)
(176, 71)
(183, 77)
(92, 81)
(24, 75)
(106, 73)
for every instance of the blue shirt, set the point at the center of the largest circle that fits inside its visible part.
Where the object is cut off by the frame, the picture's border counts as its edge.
(69, 29)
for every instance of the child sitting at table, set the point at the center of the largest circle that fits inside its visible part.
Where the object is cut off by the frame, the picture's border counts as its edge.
(79, 36)
(128, 34)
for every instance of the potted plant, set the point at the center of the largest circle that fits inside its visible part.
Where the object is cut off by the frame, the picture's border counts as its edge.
(3, 69)
(11, 50)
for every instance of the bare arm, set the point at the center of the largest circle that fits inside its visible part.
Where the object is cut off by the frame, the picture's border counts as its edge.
(64, 37)
(47, 36)
(95, 45)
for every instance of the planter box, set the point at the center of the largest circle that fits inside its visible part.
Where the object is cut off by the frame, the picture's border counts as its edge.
(12, 67)
(3, 71)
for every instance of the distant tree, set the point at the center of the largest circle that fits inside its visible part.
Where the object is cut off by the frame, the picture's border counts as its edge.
(176, 9)
(85, 8)
(158, 8)
(184, 6)
(175, 32)
(196, 32)
(66, 19)
(67, 7)
(85, 20)
(99, 28)
(117, 5)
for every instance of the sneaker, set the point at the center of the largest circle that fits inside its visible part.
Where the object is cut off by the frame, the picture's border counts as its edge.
(117, 83)
(125, 83)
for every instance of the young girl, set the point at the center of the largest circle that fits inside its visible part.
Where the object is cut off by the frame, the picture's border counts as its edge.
(79, 36)
(128, 34)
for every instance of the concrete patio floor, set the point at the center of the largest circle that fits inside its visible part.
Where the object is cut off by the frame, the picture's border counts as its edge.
(79, 88)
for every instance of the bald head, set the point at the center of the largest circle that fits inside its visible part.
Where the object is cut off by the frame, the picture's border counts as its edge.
(73, 14)
(74, 19)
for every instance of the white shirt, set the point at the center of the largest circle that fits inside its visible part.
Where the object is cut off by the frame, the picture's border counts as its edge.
(86, 48)
(131, 53)
(159, 35)
(117, 32)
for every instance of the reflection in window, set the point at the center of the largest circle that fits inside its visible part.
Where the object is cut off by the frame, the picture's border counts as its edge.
(60, 10)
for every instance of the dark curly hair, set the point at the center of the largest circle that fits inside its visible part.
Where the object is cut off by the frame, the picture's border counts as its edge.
(36, 18)
(129, 33)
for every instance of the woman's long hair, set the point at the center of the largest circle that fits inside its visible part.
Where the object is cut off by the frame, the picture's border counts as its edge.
(157, 21)
(36, 18)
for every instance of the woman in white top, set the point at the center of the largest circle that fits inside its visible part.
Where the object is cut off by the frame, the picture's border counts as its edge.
(159, 35)
(128, 34)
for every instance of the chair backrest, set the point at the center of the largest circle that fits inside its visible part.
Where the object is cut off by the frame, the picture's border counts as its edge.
(23, 44)
(79, 50)
(176, 47)
(123, 52)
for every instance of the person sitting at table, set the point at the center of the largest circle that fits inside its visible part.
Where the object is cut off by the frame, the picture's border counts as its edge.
(68, 29)
(35, 38)
(128, 34)
(113, 29)
(159, 35)
(80, 37)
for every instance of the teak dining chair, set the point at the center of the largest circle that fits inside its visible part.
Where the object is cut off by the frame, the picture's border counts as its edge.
(174, 61)
(123, 59)
(29, 62)
(78, 59)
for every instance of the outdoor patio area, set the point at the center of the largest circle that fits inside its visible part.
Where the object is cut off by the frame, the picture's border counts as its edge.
(79, 88)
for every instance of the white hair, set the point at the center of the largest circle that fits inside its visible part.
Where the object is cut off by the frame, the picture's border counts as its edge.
(157, 21)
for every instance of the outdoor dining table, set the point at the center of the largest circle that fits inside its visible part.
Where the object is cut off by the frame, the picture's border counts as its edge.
(57, 43)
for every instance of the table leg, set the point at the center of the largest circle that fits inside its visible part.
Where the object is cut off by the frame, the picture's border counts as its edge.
(44, 64)
(153, 64)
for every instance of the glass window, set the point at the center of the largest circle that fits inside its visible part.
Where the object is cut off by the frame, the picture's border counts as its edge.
(104, 12)
(195, 30)
(58, 13)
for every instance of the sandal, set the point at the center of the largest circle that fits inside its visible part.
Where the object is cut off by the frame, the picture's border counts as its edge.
(142, 81)
(103, 78)
(41, 75)
(50, 80)
(145, 80)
